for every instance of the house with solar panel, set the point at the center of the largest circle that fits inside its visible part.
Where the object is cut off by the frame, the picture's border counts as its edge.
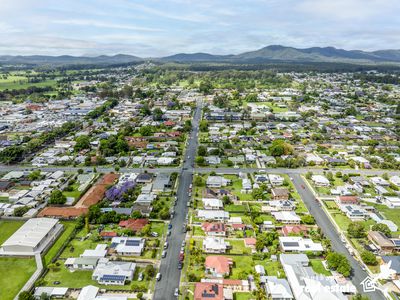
(127, 246)
(113, 272)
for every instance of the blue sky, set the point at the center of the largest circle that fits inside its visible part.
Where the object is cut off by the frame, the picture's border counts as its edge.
(151, 28)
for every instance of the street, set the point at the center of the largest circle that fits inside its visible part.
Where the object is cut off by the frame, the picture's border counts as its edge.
(323, 221)
(165, 288)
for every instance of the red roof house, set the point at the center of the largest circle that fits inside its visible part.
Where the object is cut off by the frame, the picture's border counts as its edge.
(208, 290)
(294, 230)
(216, 229)
(134, 224)
(217, 265)
(347, 200)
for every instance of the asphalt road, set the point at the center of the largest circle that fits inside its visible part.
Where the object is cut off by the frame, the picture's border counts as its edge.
(170, 273)
(323, 221)
(8, 168)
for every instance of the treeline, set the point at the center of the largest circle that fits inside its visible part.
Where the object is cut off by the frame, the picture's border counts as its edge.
(102, 109)
(386, 79)
(283, 66)
(9, 94)
(16, 153)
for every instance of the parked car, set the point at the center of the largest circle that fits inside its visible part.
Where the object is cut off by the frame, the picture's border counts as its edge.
(164, 254)
(176, 293)
(158, 276)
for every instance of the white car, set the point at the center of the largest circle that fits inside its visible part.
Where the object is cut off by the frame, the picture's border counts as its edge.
(176, 293)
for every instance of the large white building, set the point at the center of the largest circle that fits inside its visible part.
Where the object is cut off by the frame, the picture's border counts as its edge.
(35, 236)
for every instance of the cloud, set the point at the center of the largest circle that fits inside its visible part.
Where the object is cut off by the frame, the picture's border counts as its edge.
(151, 28)
(101, 24)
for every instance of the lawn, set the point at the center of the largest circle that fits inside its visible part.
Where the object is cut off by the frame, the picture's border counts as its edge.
(7, 228)
(74, 193)
(389, 213)
(18, 271)
(68, 229)
(236, 188)
(243, 265)
(243, 296)
(80, 278)
(20, 82)
(319, 268)
(238, 247)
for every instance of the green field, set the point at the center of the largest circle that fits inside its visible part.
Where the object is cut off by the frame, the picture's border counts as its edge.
(18, 270)
(21, 82)
(7, 228)
(68, 229)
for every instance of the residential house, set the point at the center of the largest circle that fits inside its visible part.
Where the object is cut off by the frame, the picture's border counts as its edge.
(217, 181)
(286, 217)
(218, 266)
(277, 288)
(212, 204)
(213, 215)
(280, 193)
(275, 180)
(305, 283)
(344, 200)
(208, 291)
(113, 272)
(215, 245)
(214, 229)
(135, 225)
(298, 244)
(128, 246)
(320, 180)
(81, 263)
(354, 212)
(380, 241)
(289, 230)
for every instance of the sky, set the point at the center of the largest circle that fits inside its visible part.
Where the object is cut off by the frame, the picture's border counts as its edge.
(154, 28)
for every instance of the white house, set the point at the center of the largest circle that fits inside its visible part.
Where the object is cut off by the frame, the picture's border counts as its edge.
(276, 180)
(128, 245)
(277, 288)
(113, 272)
(215, 245)
(298, 244)
(213, 215)
(320, 180)
(212, 203)
(286, 217)
(217, 181)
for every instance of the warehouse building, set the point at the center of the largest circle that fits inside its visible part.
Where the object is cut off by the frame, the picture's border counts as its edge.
(35, 236)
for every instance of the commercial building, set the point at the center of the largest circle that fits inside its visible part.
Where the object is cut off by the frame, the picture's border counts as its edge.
(35, 236)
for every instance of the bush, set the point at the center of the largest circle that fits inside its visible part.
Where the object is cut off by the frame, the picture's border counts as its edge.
(338, 262)
(369, 258)
(382, 228)
(57, 197)
(356, 230)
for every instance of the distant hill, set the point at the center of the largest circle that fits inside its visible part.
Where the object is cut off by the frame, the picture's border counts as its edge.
(269, 54)
(182, 57)
(68, 60)
(277, 53)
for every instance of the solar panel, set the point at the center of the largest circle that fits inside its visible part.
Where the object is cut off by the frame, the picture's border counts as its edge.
(113, 278)
(290, 244)
(132, 243)
(396, 242)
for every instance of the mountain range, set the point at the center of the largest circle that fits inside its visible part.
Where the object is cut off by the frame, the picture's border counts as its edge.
(273, 53)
